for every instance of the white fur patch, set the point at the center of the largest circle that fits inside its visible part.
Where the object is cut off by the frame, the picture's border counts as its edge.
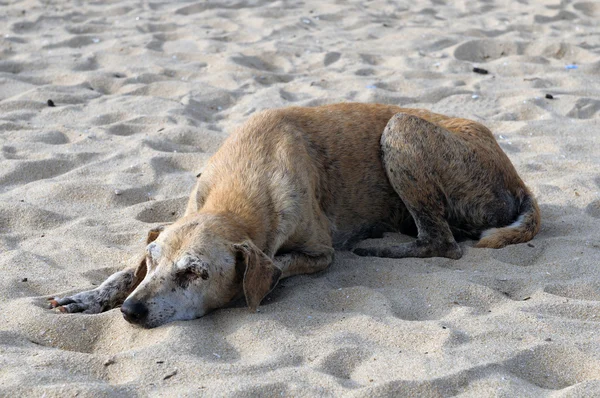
(154, 250)
(492, 231)
(517, 223)
(184, 262)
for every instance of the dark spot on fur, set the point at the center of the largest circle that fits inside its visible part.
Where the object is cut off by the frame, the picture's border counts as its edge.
(204, 274)
(410, 176)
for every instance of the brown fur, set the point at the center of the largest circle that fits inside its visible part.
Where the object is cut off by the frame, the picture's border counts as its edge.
(291, 184)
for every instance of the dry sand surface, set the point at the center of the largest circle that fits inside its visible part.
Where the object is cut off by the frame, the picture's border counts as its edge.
(145, 92)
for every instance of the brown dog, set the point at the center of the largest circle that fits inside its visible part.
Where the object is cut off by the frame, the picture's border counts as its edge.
(293, 184)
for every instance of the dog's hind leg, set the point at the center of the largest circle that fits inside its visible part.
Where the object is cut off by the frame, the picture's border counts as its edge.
(411, 150)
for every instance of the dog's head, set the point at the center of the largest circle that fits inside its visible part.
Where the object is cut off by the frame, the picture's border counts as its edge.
(195, 265)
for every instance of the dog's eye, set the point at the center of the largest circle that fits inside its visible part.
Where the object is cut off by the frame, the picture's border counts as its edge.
(187, 275)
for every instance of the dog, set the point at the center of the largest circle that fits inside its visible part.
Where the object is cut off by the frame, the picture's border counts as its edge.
(293, 184)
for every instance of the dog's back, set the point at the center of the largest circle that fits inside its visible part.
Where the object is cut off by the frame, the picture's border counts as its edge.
(334, 152)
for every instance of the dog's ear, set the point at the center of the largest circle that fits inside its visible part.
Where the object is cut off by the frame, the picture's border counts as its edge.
(154, 232)
(260, 274)
(140, 271)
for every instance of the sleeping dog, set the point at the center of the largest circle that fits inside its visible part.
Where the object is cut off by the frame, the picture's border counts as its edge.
(291, 185)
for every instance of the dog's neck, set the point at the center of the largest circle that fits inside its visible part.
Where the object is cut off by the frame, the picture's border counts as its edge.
(248, 217)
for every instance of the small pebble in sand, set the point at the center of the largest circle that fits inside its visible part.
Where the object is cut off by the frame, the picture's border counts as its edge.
(109, 362)
(50, 103)
(118, 192)
(549, 96)
(481, 71)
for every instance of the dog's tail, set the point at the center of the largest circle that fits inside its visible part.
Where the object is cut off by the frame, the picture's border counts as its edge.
(522, 230)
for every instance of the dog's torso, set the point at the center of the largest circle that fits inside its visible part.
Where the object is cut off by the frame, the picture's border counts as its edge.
(326, 160)
(299, 161)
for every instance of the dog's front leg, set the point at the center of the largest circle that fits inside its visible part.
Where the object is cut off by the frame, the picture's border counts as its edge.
(307, 261)
(110, 294)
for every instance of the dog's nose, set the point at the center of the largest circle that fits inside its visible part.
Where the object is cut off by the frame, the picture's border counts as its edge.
(134, 311)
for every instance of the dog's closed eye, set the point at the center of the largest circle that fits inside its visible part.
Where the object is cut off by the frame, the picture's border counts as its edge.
(190, 273)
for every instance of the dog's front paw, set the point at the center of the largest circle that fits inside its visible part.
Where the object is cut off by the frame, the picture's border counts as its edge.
(89, 302)
(110, 294)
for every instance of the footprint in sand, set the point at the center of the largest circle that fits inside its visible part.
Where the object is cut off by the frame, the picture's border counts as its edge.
(593, 209)
(23, 217)
(253, 62)
(126, 129)
(24, 171)
(486, 50)
(544, 366)
(576, 289)
(263, 390)
(161, 210)
(52, 137)
(561, 16)
(585, 108)
(342, 361)
(523, 254)
(331, 57)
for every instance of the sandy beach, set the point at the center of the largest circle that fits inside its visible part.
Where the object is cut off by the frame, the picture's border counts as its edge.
(109, 109)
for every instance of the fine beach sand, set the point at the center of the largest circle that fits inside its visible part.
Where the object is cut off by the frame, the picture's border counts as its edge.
(145, 92)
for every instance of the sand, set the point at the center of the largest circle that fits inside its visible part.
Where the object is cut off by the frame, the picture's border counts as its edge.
(145, 92)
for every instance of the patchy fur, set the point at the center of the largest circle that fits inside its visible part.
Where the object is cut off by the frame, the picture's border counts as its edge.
(292, 184)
